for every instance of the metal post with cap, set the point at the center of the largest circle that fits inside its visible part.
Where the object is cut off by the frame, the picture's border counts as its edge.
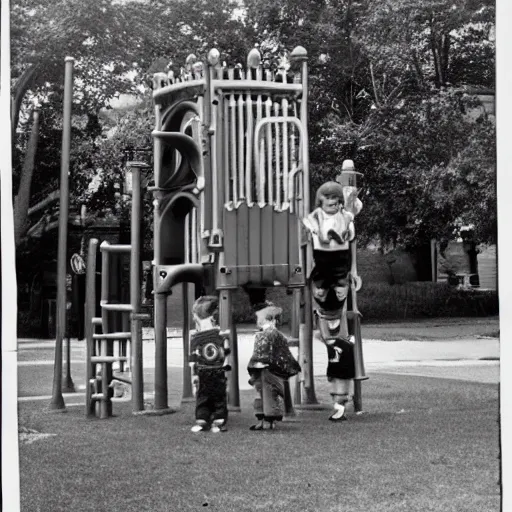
(57, 400)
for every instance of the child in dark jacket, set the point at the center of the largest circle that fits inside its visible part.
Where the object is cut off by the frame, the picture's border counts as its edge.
(209, 348)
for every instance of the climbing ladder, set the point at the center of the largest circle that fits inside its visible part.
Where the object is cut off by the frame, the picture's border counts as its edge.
(102, 331)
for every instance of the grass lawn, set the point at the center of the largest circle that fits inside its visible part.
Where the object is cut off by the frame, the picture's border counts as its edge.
(423, 445)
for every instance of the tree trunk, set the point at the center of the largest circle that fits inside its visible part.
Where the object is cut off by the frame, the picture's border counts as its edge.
(19, 90)
(22, 199)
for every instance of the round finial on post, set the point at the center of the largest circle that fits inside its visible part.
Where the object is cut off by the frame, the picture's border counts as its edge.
(348, 165)
(197, 69)
(213, 57)
(298, 54)
(191, 59)
(254, 58)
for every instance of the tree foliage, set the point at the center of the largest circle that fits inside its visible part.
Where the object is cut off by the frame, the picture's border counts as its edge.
(388, 88)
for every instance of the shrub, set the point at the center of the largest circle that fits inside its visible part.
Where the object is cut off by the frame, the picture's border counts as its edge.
(423, 300)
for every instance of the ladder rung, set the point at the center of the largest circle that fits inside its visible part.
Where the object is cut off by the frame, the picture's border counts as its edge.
(112, 336)
(96, 320)
(107, 359)
(115, 247)
(293, 342)
(121, 379)
(97, 396)
(115, 307)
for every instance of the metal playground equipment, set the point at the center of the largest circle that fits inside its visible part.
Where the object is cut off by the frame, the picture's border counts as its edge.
(231, 185)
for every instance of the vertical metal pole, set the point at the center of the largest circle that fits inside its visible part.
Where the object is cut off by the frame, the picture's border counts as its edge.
(295, 328)
(90, 313)
(309, 383)
(105, 406)
(135, 299)
(68, 385)
(187, 394)
(226, 322)
(309, 386)
(57, 400)
(160, 351)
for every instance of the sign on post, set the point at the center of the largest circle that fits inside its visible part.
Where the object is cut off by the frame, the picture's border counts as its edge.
(77, 264)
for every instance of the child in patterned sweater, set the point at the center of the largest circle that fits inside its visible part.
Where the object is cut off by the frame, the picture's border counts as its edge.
(209, 348)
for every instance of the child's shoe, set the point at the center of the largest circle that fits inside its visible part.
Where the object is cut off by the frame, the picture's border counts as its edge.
(200, 426)
(338, 414)
(218, 426)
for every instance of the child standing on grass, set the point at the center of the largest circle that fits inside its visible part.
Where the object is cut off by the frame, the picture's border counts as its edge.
(209, 348)
(270, 365)
(340, 373)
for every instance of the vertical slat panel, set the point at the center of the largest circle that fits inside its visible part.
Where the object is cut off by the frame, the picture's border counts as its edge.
(293, 247)
(230, 245)
(267, 236)
(255, 244)
(281, 246)
(242, 228)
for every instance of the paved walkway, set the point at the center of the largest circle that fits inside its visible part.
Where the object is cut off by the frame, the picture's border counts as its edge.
(475, 359)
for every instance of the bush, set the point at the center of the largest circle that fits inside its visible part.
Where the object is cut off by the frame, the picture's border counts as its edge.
(384, 302)
(29, 325)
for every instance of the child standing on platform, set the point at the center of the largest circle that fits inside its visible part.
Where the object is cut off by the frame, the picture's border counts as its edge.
(332, 230)
(270, 365)
(209, 348)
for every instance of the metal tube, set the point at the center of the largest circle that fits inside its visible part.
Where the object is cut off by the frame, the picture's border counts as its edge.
(135, 299)
(232, 142)
(248, 148)
(212, 131)
(226, 322)
(241, 147)
(160, 351)
(260, 145)
(270, 173)
(90, 312)
(225, 139)
(57, 400)
(309, 382)
(284, 107)
(304, 138)
(187, 393)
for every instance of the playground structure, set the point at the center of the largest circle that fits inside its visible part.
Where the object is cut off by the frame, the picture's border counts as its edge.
(231, 185)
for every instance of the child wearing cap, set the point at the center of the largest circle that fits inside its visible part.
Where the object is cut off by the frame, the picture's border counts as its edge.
(270, 365)
(332, 229)
(209, 348)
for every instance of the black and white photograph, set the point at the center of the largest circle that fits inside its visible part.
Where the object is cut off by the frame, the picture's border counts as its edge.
(255, 255)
